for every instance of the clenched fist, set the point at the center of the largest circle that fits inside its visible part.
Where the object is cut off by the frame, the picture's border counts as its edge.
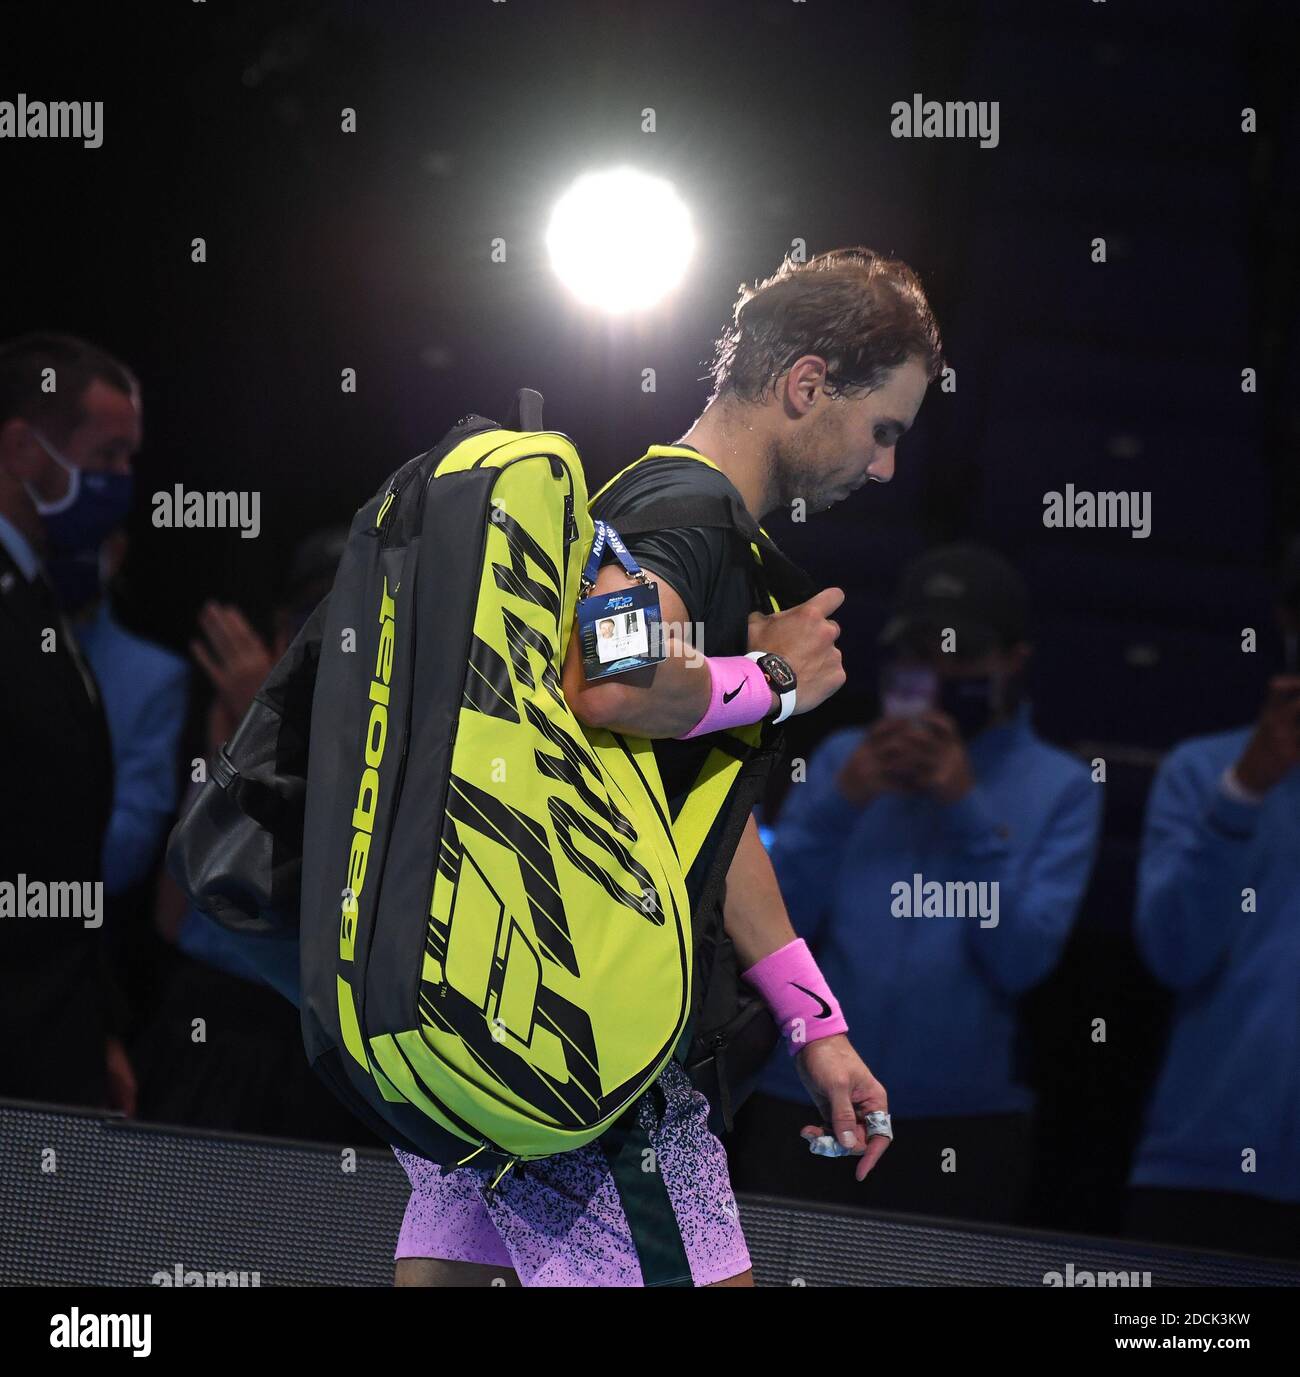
(805, 636)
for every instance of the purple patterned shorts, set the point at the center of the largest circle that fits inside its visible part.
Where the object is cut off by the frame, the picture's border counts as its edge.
(560, 1221)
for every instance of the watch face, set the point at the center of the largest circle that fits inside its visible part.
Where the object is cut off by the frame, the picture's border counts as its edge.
(779, 674)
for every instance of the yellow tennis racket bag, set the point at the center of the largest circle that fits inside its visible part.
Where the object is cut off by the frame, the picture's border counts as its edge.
(495, 936)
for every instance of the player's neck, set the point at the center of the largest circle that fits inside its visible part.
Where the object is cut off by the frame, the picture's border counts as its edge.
(734, 438)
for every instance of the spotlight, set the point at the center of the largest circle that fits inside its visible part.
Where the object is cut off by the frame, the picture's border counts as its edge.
(620, 240)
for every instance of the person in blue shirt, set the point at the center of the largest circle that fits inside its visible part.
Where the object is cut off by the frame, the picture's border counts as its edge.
(1218, 922)
(934, 862)
(145, 694)
(145, 691)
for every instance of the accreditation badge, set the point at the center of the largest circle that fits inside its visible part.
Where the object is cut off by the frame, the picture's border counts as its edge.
(618, 631)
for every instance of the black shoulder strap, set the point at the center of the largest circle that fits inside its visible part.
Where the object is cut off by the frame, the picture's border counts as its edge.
(782, 577)
(713, 510)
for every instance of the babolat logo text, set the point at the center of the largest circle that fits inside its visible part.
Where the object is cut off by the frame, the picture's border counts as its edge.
(1076, 509)
(363, 815)
(24, 898)
(924, 898)
(180, 1275)
(75, 1330)
(55, 119)
(209, 510)
(945, 119)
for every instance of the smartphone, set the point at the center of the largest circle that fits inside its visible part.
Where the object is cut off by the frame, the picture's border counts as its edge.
(908, 690)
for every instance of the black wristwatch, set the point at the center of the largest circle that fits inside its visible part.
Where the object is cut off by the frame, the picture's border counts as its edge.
(780, 674)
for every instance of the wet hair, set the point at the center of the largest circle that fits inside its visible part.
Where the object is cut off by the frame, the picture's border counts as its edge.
(862, 312)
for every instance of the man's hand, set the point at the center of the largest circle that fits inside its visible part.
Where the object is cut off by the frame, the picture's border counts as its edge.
(922, 754)
(942, 767)
(843, 1090)
(805, 636)
(237, 662)
(884, 760)
(1274, 748)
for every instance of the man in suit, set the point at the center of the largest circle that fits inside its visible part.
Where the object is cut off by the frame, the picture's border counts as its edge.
(69, 426)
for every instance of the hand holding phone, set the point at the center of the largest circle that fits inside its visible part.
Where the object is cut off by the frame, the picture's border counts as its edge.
(1274, 747)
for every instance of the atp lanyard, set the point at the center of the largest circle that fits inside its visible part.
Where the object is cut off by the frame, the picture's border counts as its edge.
(605, 532)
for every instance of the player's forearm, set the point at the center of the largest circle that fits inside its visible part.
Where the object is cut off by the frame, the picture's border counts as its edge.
(666, 700)
(754, 913)
(671, 698)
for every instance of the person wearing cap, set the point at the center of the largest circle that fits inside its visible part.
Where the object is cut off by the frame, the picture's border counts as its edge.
(934, 861)
(1218, 922)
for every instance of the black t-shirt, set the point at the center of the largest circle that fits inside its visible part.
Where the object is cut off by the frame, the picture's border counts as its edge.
(711, 568)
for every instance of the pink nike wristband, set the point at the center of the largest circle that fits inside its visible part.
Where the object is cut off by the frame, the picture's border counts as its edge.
(740, 695)
(797, 994)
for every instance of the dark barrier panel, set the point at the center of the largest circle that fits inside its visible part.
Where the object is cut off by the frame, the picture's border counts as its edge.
(95, 1200)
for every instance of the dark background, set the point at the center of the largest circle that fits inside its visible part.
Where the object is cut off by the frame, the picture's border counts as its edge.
(372, 251)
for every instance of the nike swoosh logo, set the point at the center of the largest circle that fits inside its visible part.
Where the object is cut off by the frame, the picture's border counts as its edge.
(727, 697)
(826, 1008)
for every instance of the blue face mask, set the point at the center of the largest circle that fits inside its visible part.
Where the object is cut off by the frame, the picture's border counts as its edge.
(94, 505)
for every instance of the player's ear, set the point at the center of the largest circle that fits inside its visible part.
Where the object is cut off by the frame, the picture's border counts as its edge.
(804, 383)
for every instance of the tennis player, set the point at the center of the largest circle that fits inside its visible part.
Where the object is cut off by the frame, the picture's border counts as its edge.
(819, 374)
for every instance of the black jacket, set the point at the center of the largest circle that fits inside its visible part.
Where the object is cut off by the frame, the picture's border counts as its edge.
(56, 783)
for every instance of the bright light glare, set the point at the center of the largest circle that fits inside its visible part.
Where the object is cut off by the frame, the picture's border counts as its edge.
(620, 240)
